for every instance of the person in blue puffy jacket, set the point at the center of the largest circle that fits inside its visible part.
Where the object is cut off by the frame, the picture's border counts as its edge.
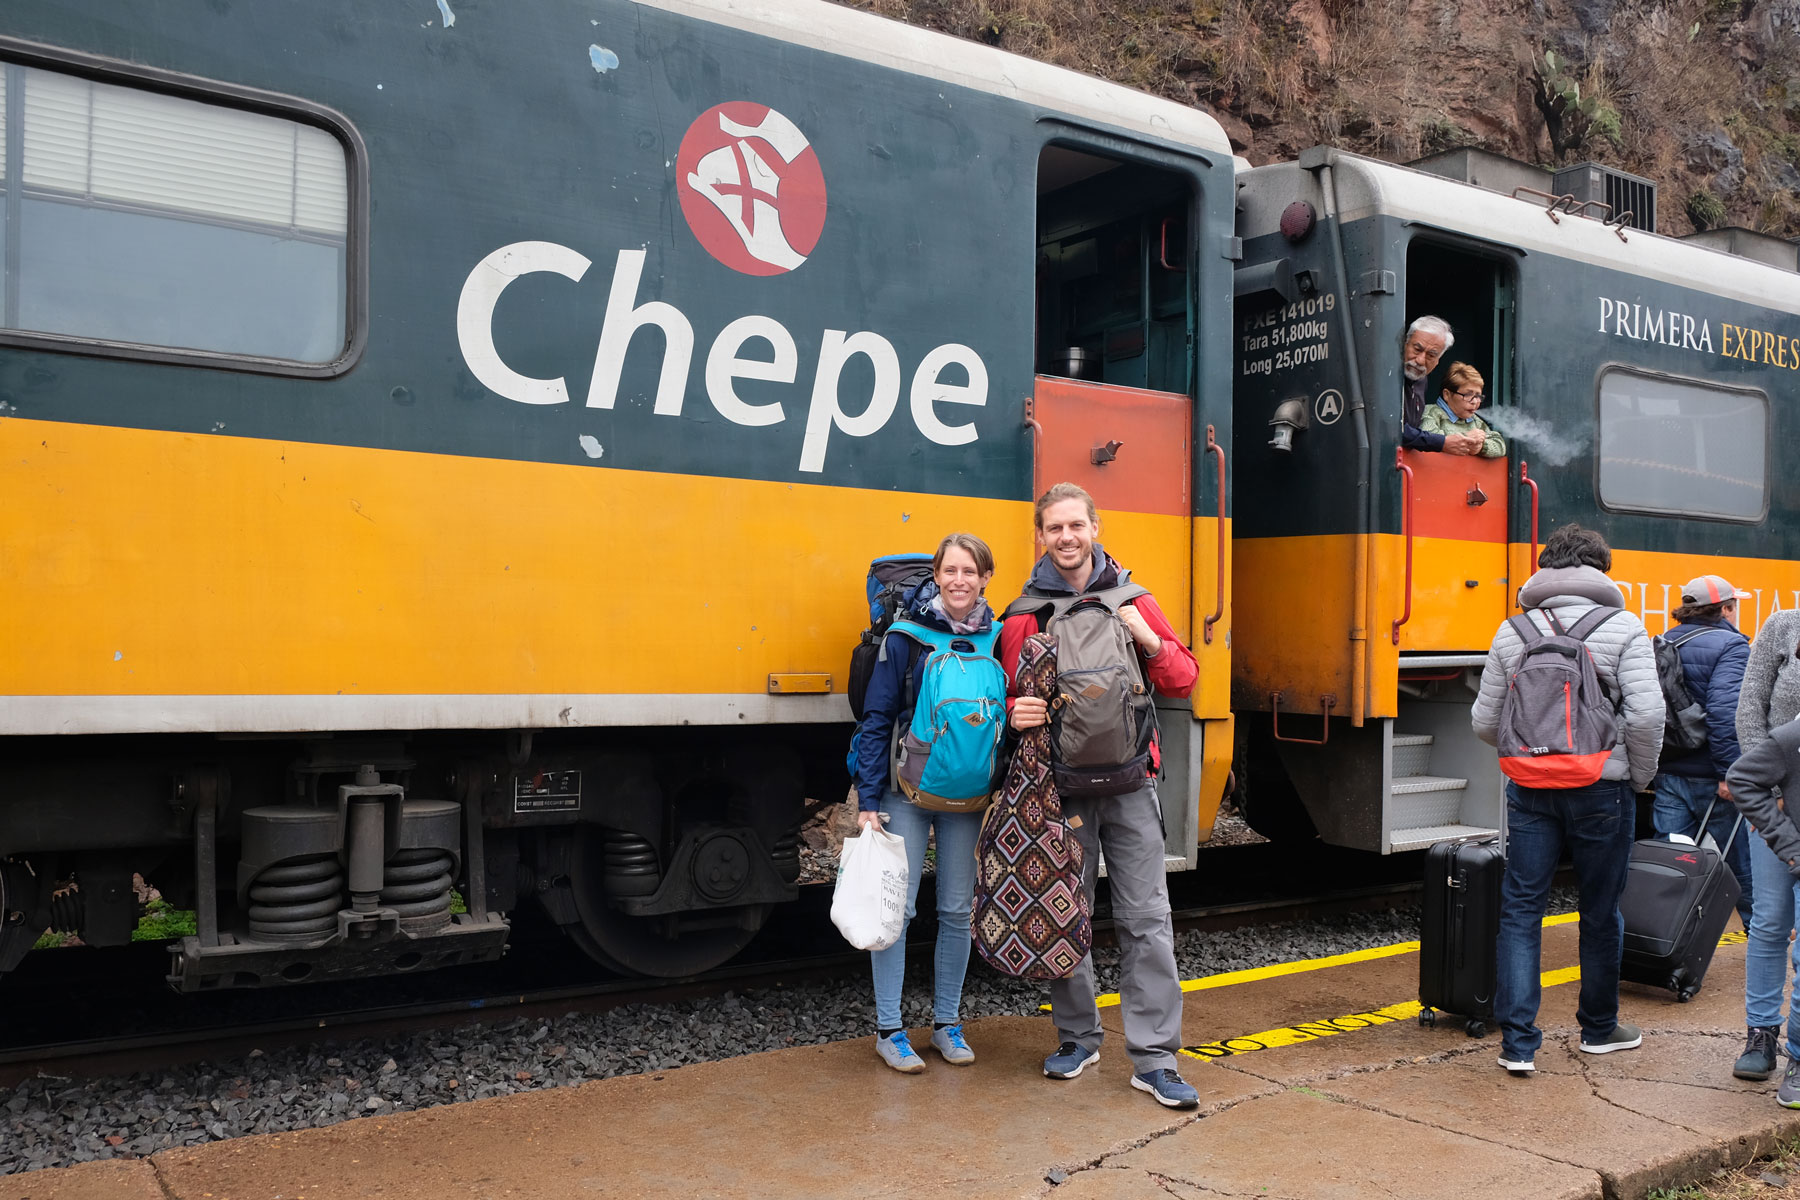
(952, 601)
(1713, 656)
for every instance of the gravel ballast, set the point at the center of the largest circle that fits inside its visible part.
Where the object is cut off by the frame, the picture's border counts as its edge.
(48, 1122)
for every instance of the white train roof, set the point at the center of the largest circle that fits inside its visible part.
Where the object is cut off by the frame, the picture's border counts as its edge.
(873, 39)
(1367, 187)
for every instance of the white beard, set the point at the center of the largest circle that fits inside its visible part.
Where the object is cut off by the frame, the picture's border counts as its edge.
(1413, 373)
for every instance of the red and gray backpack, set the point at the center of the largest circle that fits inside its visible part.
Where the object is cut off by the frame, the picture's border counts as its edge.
(1557, 724)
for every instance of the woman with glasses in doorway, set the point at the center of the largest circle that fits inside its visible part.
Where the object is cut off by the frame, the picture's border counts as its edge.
(1454, 410)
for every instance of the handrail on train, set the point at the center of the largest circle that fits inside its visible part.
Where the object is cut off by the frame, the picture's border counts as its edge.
(1578, 208)
(1206, 627)
(1531, 483)
(1406, 518)
(1326, 704)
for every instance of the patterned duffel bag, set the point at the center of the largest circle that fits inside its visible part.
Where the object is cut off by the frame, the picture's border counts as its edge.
(1031, 918)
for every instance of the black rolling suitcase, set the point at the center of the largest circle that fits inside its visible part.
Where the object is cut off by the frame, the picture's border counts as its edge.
(1676, 903)
(1459, 932)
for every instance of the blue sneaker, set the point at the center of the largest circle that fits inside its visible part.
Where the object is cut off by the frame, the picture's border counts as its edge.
(948, 1042)
(1069, 1061)
(897, 1052)
(1169, 1088)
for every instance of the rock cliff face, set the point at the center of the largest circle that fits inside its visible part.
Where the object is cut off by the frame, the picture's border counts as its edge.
(1702, 96)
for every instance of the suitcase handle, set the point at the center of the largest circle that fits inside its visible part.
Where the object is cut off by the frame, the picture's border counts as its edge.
(1705, 821)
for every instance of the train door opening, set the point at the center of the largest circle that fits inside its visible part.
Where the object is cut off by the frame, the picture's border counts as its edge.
(1113, 397)
(1442, 782)
(1113, 401)
(1459, 518)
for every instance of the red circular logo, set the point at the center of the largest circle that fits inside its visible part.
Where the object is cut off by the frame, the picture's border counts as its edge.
(751, 188)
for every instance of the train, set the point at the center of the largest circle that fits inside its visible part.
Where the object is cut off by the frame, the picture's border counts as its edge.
(445, 442)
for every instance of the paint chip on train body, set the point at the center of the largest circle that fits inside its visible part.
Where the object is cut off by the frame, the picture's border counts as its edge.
(590, 446)
(449, 17)
(603, 59)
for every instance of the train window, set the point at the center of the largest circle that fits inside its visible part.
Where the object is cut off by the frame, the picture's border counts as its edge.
(141, 217)
(1682, 447)
(1113, 285)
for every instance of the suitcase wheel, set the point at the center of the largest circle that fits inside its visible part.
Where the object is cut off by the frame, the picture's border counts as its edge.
(1427, 1017)
(1686, 994)
(1476, 1029)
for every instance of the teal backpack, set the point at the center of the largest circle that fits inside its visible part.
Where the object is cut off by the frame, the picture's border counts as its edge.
(948, 758)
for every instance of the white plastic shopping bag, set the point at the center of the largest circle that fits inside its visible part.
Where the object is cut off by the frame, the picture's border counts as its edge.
(869, 903)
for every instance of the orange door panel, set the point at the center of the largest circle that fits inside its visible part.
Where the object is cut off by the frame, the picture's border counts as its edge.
(1142, 483)
(1460, 589)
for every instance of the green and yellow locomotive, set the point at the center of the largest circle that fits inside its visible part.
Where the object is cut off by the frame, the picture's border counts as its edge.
(444, 444)
(1642, 385)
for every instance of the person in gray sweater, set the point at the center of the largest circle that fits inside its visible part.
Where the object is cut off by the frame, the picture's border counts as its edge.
(1768, 702)
(1594, 824)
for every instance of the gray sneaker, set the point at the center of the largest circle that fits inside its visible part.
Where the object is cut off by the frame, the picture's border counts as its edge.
(1788, 1094)
(897, 1052)
(948, 1042)
(1622, 1037)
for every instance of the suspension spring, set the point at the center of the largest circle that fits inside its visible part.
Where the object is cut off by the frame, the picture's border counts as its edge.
(68, 911)
(630, 864)
(786, 855)
(298, 899)
(416, 885)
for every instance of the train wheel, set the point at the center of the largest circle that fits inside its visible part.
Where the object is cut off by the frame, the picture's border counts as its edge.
(644, 946)
(669, 946)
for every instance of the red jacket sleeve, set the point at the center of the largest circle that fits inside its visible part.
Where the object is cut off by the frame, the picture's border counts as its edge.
(1173, 670)
(1013, 632)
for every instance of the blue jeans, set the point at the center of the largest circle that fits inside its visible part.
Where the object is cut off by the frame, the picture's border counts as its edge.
(1595, 824)
(1681, 802)
(956, 833)
(1766, 952)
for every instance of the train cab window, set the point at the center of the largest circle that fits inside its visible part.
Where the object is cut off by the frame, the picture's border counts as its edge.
(1473, 292)
(1682, 447)
(134, 216)
(1113, 303)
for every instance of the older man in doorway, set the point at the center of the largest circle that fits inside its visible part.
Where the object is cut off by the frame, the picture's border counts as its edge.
(1426, 340)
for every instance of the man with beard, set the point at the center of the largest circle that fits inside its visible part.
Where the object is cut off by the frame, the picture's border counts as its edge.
(1124, 821)
(1426, 340)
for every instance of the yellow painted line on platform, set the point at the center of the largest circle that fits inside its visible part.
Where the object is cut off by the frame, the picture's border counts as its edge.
(1312, 1031)
(1300, 966)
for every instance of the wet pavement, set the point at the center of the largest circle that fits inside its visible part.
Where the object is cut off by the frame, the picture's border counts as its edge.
(1315, 1080)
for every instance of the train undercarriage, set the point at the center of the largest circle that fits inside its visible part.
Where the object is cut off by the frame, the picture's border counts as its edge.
(659, 852)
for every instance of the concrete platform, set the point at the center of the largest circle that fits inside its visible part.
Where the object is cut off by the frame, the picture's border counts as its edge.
(1316, 1083)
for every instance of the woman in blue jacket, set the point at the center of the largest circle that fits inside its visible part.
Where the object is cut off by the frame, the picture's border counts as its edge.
(951, 603)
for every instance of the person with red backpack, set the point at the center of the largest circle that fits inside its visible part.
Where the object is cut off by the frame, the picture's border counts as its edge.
(1114, 645)
(1570, 699)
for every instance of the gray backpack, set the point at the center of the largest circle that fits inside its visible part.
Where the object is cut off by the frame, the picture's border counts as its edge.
(1104, 717)
(1557, 724)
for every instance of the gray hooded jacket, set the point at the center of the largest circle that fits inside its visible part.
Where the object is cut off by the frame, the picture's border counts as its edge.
(1623, 660)
(1760, 783)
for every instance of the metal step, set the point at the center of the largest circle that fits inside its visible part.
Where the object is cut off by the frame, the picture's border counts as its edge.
(1412, 753)
(1414, 784)
(1419, 837)
(1425, 800)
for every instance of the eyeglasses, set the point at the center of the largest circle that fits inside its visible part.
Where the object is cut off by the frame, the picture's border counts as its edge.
(1477, 396)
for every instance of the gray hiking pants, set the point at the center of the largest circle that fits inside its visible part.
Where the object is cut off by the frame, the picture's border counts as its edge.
(1128, 829)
